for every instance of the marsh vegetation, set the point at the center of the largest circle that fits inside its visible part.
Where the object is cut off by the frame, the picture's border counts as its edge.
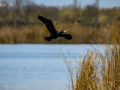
(18, 23)
(98, 70)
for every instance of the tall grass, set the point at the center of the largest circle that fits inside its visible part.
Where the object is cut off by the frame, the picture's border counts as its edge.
(36, 34)
(99, 71)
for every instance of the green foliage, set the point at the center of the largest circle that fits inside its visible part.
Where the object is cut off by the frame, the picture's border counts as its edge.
(66, 15)
(24, 12)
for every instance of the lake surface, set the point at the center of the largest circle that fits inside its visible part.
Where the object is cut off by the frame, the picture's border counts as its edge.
(37, 66)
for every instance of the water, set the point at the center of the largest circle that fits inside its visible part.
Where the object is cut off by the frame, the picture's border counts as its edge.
(37, 66)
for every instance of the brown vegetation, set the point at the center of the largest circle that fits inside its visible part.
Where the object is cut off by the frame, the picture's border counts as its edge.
(36, 34)
(98, 70)
(19, 24)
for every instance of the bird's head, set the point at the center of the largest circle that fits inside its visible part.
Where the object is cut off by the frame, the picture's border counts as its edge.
(63, 31)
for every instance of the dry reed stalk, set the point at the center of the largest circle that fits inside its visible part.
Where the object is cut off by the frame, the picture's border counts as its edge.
(100, 71)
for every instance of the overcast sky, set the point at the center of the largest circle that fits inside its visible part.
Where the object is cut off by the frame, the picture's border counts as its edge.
(102, 3)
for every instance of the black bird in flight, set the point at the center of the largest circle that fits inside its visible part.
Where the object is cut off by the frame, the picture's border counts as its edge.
(53, 32)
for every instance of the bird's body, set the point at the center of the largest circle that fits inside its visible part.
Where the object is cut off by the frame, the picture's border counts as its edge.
(53, 32)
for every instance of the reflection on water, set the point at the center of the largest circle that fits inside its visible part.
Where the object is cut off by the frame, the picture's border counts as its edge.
(37, 67)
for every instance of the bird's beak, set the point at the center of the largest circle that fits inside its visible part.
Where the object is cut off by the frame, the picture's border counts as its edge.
(65, 30)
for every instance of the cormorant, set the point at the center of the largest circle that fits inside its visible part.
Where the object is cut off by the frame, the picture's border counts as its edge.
(53, 32)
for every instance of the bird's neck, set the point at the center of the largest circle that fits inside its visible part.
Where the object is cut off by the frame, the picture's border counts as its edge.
(59, 32)
(62, 31)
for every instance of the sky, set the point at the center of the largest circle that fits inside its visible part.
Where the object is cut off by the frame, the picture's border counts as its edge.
(102, 3)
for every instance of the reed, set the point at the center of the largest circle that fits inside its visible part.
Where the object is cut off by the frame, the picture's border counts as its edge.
(98, 70)
(36, 34)
(111, 61)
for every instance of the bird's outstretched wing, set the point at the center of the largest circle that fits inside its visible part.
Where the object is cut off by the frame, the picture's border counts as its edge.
(48, 23)
(67, 36)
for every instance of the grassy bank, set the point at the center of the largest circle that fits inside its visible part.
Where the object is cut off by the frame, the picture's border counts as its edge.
(99, 71)
(36, 34)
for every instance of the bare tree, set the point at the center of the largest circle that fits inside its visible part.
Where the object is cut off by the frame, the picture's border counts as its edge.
(89, 14)
(27, 7)
(4, 10)
(76, 8)
(96, 4)
(17, 7)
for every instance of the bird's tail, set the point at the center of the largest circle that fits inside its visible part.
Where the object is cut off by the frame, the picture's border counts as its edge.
(47, 38)
(67, 36)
